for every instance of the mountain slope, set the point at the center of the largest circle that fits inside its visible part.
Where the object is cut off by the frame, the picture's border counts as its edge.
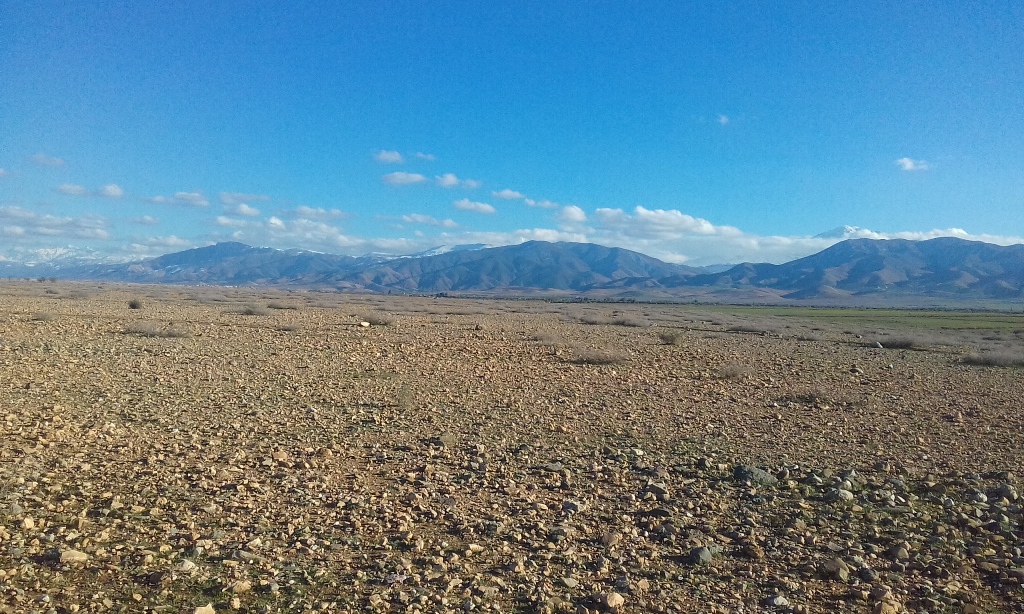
(534, 264)
(226, 263)
(946, 266)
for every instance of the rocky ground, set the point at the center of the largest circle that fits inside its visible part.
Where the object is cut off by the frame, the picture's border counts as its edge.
(221, 450)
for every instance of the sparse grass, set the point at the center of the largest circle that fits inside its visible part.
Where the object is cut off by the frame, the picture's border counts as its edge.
(135, 303)
(279, 305)
(44, 316)
(289, 328)
(598, 356)
(154, 329)
(997, 358)
(253, 310)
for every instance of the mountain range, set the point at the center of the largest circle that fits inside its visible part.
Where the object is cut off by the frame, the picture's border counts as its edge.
(851, 271)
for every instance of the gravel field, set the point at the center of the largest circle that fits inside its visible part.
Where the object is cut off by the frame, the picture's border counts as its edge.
(223, 449)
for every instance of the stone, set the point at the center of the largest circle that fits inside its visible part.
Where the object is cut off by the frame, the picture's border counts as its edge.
(777, 601)
(754, 475)
(73, 556)
(838, 495)
(205, 609)
(699, 556)
(613, 600)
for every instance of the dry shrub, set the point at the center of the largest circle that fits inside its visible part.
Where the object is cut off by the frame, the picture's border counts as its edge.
(44, 316)
(746, 328)
(594, 319)
(288, 328)
(277, 305)
(671, 337)
(996, 358)
(153, 329)
(135, 303)
(546, 338)
(734, 371)
(632, 322)
(378, 319)
(253, 310)
(598, 356)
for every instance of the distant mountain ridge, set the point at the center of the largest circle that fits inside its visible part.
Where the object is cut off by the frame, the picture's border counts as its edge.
(944, 267)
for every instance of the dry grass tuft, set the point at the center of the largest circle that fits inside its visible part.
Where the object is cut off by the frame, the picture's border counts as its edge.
(44, 316)
(135, 303)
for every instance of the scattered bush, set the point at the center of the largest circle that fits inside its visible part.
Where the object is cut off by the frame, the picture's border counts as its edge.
(153, 329)
(592, 356)
(44, 316)
(997, 358)
(135, 303)
(276, 305)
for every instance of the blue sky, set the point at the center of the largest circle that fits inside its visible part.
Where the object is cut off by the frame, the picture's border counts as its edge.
(694, 132)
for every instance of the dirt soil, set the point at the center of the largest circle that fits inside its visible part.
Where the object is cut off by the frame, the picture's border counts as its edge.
(220, 450)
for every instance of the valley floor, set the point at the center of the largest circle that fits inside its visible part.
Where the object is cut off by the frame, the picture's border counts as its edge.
(278, 452)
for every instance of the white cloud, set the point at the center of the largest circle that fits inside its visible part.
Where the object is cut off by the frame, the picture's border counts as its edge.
(571, 214)
(44, 160)
(508, 194)
(159, 200)
(196, 199)
(543, 204)
(243, 209)
(908, 164)
(238, 198)
(317, 213)
(157, 246)
(20, 222)
(276, 223)
(401, 178)
(147, 220)
(469, 205)
(3, 173)
(426, 156)
(658, 223)
(111, 190)
(229, 222)
(449, 180)
(388, 157)
(72, 190)
(723, 119)
(417, 218)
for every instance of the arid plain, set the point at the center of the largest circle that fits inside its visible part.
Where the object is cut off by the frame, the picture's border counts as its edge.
(177, 449)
